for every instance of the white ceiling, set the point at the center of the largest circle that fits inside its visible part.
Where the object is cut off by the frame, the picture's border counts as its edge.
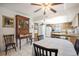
(28, 9)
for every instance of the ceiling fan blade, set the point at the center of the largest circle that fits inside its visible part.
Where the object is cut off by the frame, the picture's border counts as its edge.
(53, 10)
(56, 4)
(35, 4)
(37, 10)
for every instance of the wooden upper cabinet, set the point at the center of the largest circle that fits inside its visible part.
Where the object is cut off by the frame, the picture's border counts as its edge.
(66, 25)
(75, 21)
(22, 25)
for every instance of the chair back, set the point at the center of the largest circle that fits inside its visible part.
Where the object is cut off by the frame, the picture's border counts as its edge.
(43, 51)
(76, 46)
(8, 39)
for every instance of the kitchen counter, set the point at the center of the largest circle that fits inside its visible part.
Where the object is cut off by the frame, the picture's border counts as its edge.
(64, 34)
(71, 37)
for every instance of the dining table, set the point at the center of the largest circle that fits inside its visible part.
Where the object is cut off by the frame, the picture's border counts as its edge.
(65, 47)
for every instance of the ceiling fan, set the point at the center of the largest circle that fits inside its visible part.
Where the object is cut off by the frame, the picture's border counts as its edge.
(46, 6)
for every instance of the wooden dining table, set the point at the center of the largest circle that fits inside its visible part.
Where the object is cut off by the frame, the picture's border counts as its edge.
(21, 37)
(65, 47)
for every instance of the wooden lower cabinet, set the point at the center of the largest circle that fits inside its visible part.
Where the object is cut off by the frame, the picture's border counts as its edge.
(72, 39)
(35, 37)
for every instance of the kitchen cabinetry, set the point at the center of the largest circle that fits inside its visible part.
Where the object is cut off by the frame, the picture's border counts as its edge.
(71, 37)
(75, 21)
(22, 28)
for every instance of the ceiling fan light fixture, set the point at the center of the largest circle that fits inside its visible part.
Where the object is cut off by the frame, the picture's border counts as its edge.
(46, 6)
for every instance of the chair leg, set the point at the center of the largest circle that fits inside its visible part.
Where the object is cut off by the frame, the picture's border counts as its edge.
(6, 50)
(14, 46)
(77, 52)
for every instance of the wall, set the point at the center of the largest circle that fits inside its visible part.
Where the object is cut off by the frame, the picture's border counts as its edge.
(31, 27)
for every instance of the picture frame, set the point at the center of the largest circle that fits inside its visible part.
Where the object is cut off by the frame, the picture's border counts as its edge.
(7, 21)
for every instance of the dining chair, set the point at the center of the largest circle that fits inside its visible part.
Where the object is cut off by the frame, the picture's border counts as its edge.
(43, 51)
(40, 37)
(76, 46)
(9, 42)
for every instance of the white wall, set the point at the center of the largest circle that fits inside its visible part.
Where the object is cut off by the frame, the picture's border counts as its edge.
(31, 27)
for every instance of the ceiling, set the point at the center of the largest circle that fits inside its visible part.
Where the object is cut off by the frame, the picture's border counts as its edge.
(28, 9)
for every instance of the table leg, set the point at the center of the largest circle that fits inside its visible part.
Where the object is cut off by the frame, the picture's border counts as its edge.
(20, 44)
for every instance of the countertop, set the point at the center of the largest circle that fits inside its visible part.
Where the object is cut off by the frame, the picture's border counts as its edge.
(64, 34)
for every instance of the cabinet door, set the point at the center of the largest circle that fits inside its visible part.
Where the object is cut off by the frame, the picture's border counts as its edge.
(75, 21)
(22, 25)
(78, 19)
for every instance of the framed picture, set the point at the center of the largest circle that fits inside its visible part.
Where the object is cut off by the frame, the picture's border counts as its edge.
(7, 21)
